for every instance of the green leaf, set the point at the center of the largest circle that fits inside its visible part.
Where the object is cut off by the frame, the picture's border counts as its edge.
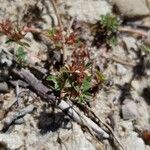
(86, 96)
(81, 98)
(21, 54)
(86, 85)
(1, 33)
(110, 22)
(21, 51)
(145, 48)
(55, 80)
(9, 41)
(68, 84)
(100, 76)
(88, 65)
(23, 44)
(52, 32)
(112, 41)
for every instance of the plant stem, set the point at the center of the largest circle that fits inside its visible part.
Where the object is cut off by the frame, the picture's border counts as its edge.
(64, 50)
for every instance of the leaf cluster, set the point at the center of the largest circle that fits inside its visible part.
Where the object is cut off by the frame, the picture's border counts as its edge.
(13, 35)
(105, 31)
(21, 55)
(56, 37)
(77, 79)
(110, 22)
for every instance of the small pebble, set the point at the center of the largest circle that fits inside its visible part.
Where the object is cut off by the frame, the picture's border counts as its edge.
(130, 110)
(3, 87)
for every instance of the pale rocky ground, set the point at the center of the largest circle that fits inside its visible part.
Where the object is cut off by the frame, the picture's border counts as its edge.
(129, 111)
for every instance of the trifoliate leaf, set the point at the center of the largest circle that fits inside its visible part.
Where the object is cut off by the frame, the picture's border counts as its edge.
(55, 80)
(86, 85)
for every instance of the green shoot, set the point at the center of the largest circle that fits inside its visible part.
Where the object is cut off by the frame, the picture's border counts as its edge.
(145, 48)
(21, 55)
(110, 22)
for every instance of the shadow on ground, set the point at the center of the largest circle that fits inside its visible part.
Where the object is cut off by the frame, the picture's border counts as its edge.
(53, 121)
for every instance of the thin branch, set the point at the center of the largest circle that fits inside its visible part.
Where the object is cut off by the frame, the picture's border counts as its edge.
(109, 128)
(69, 27)
(117, 59)
(62, 29)
(15, 115)
(121, 61)
(92, 114)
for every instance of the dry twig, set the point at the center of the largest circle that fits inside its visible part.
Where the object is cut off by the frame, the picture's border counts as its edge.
(138, 32)
(109, 128)
(92, 114)
(16, 115)
(69, 27)
(121, 61)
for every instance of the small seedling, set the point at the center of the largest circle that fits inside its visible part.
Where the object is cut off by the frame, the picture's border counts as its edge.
(76, 79)
(21, 55)
(72, 84)
(105, 31)
(112, 41)
(56, 36)
(110, 22)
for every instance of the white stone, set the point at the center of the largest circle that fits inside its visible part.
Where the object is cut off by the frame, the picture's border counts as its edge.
(121, 70)
(11, 140)
(144, 113)
(71, 139)
(133, 142)
(130, 42)
(87, 10)
(139, 85)
(132, 8)
(129, 110)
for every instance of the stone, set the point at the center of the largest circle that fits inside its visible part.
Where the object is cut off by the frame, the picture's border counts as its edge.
(12, 141)
(125, 128)
(87, 10)
(131, 8)
(133, 142)
(144, 115)
(71, 139)
(147, 147)
(130, 43)
(129, 110)
(79, 140)
(121, 70)
(3, 87)
(127, 125)
(5, 59)
(141, 84)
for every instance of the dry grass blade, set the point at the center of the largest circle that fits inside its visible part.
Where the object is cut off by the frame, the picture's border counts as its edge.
(133, 31)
